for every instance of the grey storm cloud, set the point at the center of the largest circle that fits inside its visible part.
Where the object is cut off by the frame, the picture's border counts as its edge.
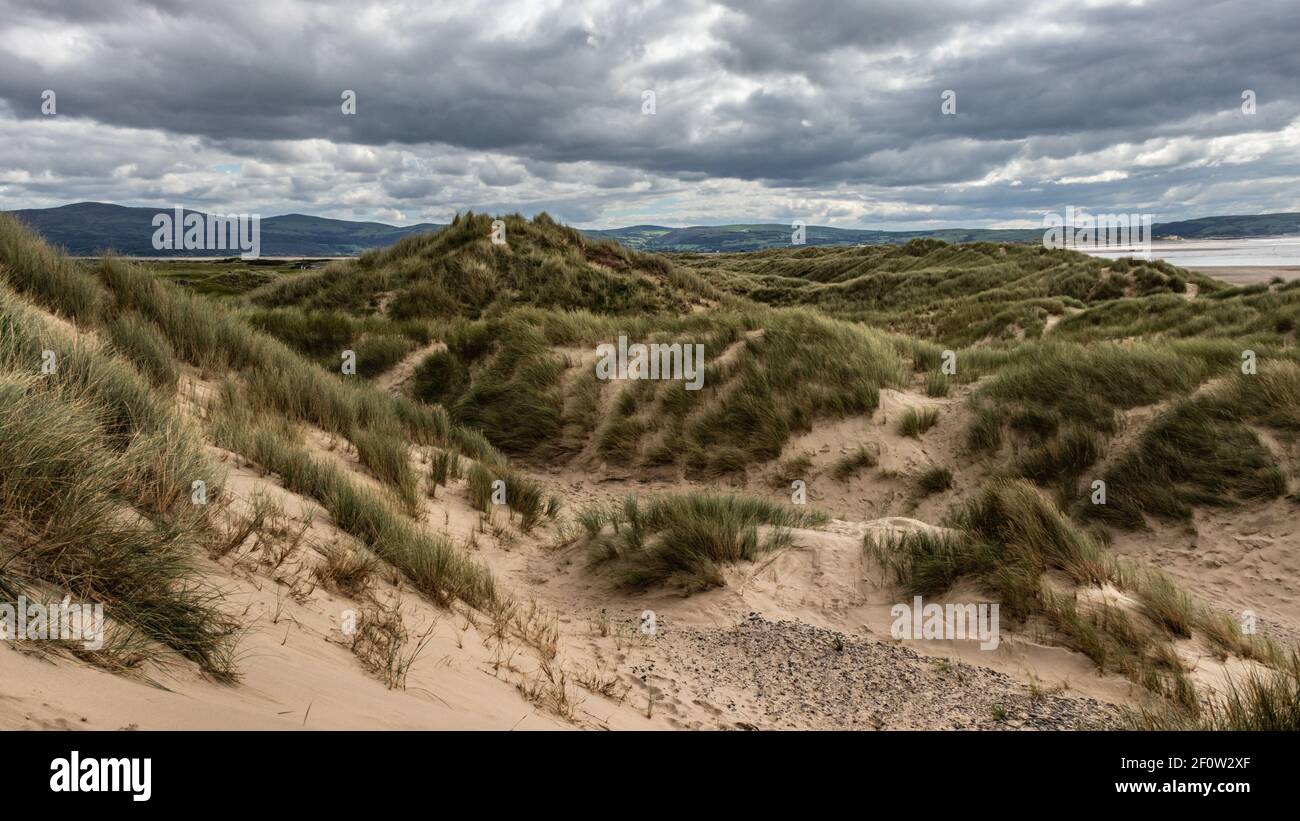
(515, 104)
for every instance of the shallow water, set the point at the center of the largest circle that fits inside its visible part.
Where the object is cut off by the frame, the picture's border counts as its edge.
(1260, 252)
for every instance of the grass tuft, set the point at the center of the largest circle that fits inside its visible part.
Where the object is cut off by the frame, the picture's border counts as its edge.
(916, 421)
(683, 540)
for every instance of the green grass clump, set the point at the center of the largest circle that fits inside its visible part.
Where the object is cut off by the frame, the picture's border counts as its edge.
(922, 562)
(388, 457)
(522, 495)
(1086, 384)
(916, 421)
(321, 335)
(512, 397)
(1168, 605)
(984, 435)
(788, 470)
(32, 267)
(479, 481)
(801, 368)
(96, 474)
(620, 438)
(935, 480)
(937, 384)
(1199, 453)
(1021, 527)
(443, 467)
(728, 460)
(1007, 536)
(376, 354)
(59, 480)
(1063, 457)
(144, 345)
(439, 378)
(684, 539)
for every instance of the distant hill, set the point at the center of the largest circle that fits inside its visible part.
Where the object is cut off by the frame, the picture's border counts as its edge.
(731, 238)
(90, 228)
(758, 237)
(1232, 227)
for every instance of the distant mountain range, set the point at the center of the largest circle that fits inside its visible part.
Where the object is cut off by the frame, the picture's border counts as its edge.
(91, 228)
(721, 238)
(756, 237)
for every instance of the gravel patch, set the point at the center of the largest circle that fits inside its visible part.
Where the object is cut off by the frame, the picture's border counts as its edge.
(783, 674)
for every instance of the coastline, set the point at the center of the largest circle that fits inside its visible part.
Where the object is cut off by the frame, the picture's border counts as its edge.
(1248, 274)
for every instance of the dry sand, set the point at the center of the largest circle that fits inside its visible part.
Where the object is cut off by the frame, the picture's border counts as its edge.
(798, 639)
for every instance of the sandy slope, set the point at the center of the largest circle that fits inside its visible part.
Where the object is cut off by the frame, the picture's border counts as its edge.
(299, 672)
(799, 639)
(1238, 560)
(296, 665)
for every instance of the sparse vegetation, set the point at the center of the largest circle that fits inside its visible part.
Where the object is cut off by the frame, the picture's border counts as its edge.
(1263, 701)
(383, 644)
(345, 567)
(795, 468)
(430, 560)
(1010, 536)
(853, 462)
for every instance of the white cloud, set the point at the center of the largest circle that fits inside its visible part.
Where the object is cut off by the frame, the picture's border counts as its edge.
(764, 108)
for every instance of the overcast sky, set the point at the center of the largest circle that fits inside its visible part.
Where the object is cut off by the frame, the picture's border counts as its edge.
(764, 110)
